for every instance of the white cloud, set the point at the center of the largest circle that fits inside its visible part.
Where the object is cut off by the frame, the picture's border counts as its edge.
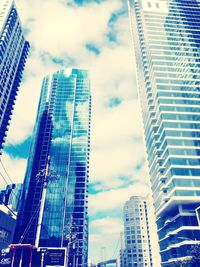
(62, 32)
(106, 234)
(15, 168)
(116, 124)
(116, 144)
(61, 29)
(107, 225)
(65, 35)
(115, 198)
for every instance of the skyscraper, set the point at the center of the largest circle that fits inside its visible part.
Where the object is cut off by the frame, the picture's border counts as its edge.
(137, 251)
(166, 41)
(13, 54)
(61, 142)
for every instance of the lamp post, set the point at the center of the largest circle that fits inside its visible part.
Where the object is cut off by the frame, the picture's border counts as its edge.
(72, 240)
(47, 175)
(68, 252)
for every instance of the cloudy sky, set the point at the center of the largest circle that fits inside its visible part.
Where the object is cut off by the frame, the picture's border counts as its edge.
(94, 35)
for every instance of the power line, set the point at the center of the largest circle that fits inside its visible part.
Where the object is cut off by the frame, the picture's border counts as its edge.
(4, 178)
(34, 215)
(1, 202)
(4, 168)
(6, 171)
(12, 192)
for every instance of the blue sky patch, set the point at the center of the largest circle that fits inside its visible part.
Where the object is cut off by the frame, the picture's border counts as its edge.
(93, 48)
(112, 36)
(66, 61)
(114, 102)
(92, 188)
(84, 2)
(139, 166)
(19, 150)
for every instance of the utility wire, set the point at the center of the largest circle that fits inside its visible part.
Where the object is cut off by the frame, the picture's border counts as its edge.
(4, 178)
(9, 208)
(6, 171)
(29, 224)
(4, 168)
(12, 192)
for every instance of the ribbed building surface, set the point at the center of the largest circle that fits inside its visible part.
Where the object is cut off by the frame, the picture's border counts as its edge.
(61, 139)
(166, 38)
(137, 252)
(13, 54)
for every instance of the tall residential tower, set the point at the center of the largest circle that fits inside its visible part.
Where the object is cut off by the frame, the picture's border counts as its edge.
(13, 54)
(60, 143)
(137, 252)
(166, 36)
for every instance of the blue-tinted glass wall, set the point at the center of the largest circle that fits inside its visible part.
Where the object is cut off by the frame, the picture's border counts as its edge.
(166, 39)
(11, 196)
(61, 133)
(13, 54)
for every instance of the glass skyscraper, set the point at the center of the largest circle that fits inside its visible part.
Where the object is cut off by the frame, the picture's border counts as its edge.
(13, 54)
(61, 140)
(166, 35)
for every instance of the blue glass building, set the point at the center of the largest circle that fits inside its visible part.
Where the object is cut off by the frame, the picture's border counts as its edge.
(61, 139)
(11, 196)
(166, 35)
(13, 54)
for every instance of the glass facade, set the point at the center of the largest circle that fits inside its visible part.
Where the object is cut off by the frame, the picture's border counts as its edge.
(61, 139)
(11, 196)
(137, 251)
(166, 35)
(7, 226)
(13, 54)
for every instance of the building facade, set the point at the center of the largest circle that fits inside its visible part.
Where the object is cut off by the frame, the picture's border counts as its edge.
(61, 141)
(166, 41)
(7, 228)
(122, 258)
(13, 53)
(137, 251)
(11, 196)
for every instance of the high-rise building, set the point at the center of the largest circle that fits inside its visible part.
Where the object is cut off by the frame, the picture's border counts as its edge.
(60, 144)
(13, 54)
(137, 251)
(166, 41)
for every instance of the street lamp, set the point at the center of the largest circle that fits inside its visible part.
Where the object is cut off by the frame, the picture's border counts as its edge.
(47, 176)
(71, 236)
